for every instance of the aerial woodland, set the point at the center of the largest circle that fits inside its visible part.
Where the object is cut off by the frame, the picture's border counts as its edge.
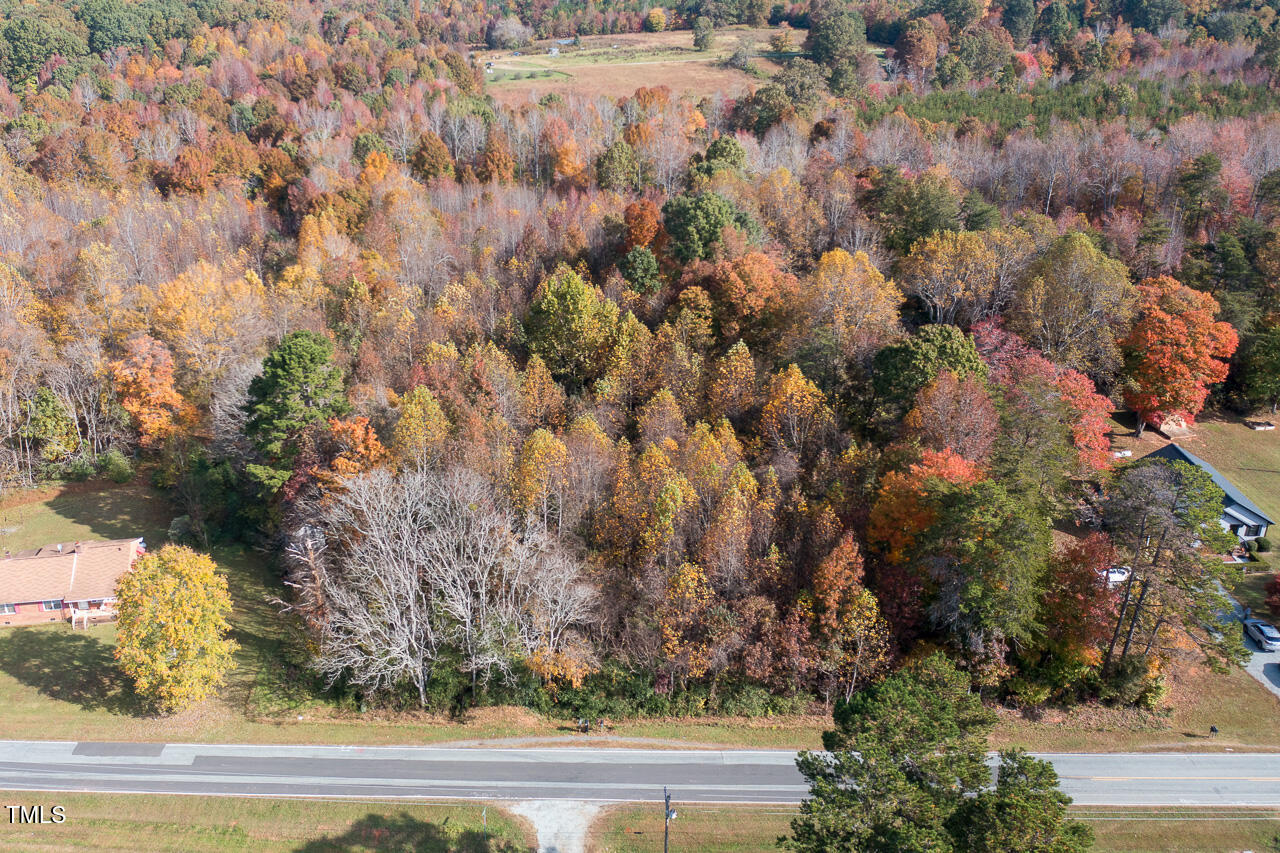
(674, 402)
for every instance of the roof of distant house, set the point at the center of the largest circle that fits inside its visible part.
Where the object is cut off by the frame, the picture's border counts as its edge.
(72, 571)
(1234, 502)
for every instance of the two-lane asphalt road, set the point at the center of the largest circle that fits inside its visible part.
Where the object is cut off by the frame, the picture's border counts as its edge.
(1218, 779)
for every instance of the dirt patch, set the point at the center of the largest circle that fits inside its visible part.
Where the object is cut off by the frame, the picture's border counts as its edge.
(561, 825)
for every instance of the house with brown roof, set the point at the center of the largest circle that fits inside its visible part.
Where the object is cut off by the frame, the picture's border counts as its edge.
(73, 581)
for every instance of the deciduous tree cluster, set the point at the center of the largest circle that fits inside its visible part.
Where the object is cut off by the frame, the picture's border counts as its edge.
(753, 393)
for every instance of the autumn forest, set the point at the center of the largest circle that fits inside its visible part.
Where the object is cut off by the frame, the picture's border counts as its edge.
(695, 402)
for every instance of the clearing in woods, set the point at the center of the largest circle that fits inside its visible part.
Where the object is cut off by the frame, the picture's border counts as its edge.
(617, 65)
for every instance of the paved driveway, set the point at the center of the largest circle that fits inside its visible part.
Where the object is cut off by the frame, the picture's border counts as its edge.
(1264, 666)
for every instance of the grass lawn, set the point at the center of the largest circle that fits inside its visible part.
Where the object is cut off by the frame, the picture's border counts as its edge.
(94, 510)
(1172, 830)
(1246, 714)
(1251, 591)
(705, 828)
(737, 829)
(199, 824)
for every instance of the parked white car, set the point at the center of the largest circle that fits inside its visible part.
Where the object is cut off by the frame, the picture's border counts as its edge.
(1116, 575)
(1263, 633)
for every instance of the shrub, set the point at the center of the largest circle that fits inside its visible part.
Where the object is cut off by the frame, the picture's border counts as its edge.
(115, 466)
(79, 469)
(1263, 543)
(1134, 684)
(181, 530)
(1028, 694)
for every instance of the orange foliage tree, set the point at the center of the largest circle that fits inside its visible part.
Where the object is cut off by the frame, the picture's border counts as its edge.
(1175, 351)
(144, 382)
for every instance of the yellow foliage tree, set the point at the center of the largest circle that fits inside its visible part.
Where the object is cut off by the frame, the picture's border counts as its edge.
(856, 302)
(422, 432)
(171, 639)
(795, 411)
(542, 399)
(102, 283)
(207, 318)
(682, 621)
(540, 477)
(732, 389)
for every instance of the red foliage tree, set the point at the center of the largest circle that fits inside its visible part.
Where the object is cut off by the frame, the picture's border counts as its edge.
(1273, 595)
(1175, 351)
(1078, 603)
(956, 414)
(1017, 368)
(1089, 428)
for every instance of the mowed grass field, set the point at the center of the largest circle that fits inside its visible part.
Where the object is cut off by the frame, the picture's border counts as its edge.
(616, 65)
(160, 824)
(748, 829)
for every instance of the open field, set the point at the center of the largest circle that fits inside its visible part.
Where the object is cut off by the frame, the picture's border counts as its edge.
(737, 829)
(616, 65)
(198, 824)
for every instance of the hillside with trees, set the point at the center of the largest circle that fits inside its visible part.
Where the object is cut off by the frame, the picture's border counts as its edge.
(657, 405)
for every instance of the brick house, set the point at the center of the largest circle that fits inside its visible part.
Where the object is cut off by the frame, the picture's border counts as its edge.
(58, 582)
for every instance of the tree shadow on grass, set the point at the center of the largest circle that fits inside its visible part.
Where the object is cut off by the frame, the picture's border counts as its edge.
(403, 832)
(112, 511)
(69, 667)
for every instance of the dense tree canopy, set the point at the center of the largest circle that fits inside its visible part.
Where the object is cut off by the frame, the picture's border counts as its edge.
(786, 373)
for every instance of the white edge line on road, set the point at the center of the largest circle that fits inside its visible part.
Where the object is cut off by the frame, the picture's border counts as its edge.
(430, 800)
(535, 747)
(397, 797)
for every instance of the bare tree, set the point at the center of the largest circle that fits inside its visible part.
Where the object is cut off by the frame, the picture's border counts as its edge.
(392, 570)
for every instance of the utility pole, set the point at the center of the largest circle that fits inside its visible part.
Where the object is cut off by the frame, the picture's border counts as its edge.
(668, 815)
